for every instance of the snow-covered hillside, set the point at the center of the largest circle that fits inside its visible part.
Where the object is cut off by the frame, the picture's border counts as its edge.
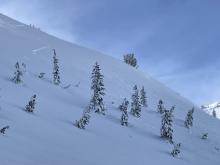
(212, 107)
(48, 136)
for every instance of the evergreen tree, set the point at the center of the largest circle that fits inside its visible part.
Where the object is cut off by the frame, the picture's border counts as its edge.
(31, 104)
(130, 60)
(214, 113)
(135, 104)
(17, 74)
(160, 107)
(84, 120)
(176, 149)
(56, 72)
(124, 109)
(143, 98)
(189, 118)
(204, 136)
(166, 130)
(41, 75)
(97, 88)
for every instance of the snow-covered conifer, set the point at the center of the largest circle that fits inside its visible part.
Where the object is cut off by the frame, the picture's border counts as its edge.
(143, 97)
(166, 130)
(124, 109)
(189, 118)
(160, 107)
(98, 89)
(31, 104)
(84, 120)
(130, 60)
(135, 104)
(124, 103)
(56, 72)
(176, 149)
(204, 136)
(17, 74)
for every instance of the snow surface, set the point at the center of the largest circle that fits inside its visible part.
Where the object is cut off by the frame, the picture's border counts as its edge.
(48, 136)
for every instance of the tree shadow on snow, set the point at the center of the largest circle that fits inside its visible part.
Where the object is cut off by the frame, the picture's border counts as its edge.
(168, 153)
(179, 122)
(72, 123)
(151, 111)
(8, 79)
(144, 133)
(113, 118)
(24, 110)
(18, 107)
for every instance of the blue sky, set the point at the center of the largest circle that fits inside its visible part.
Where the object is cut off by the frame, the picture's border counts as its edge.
(176, 41)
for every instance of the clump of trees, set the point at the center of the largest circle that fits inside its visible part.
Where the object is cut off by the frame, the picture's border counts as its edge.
(130, 59)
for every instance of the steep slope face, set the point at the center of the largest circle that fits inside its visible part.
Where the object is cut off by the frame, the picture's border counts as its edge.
(212, 107)
(49, 137)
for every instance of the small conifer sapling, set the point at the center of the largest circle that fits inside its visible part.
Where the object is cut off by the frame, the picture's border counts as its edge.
(41, 75)
(189, 118)
(84, 120)
(204, 136)
(124, 109)
(17, 74)
(160, 107)
(2, 131)
(31, 104)
(176, 150)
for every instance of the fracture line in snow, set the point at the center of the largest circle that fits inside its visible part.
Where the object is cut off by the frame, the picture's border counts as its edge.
(34, 51)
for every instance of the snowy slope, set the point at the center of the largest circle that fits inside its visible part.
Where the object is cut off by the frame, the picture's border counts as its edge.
(49, 137)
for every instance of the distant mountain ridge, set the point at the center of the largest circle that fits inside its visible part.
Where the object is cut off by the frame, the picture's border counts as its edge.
(212, 107)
